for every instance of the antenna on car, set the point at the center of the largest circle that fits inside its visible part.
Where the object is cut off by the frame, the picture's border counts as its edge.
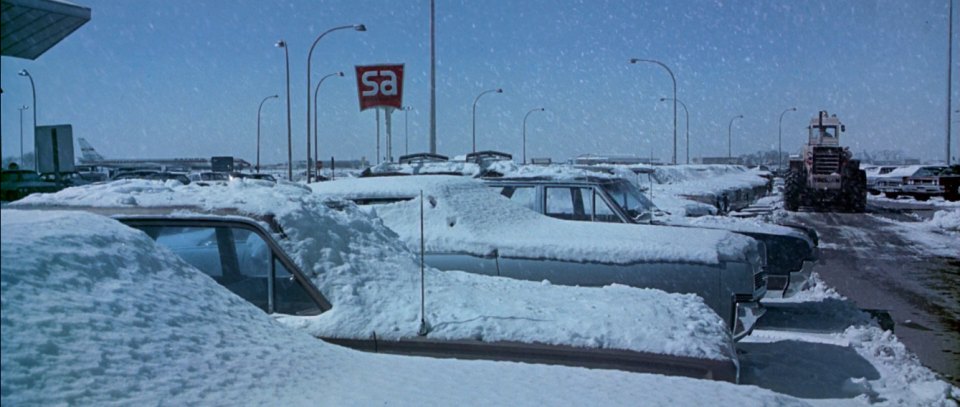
(424, 326)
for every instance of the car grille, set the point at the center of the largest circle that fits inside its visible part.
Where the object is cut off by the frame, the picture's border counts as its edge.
(760, 280)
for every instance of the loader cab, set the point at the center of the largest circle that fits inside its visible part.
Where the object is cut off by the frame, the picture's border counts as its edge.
(825, 130)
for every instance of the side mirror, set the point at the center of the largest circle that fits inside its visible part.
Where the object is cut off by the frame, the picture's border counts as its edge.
(843, 128)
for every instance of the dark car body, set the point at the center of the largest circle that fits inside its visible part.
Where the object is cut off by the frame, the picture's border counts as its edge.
(16, 184)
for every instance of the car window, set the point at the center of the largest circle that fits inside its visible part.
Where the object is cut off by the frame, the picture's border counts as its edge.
(525, 196)
(601, 211)
(240, 260)
(564, 203)
(578, 203)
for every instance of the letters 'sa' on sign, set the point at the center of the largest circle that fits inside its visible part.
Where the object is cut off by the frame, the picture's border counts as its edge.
(380, 86)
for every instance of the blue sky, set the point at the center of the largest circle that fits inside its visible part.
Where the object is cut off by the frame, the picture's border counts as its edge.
(184, 78)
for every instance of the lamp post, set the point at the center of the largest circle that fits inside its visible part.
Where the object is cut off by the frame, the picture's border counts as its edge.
(687, 116)
(286, 53)
(780, 138)
(356, 27)
(406, 129)
(730, 138)
(539, 109)
(498, 90)
(258, 127)
(33, 90)
(316, 125)
(21, 109)
(674, 79)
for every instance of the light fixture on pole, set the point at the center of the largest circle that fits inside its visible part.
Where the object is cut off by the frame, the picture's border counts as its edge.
(21, 109)
(316, 142)
(33, 89)
(780, 138)
(539, 109)
(258, 128)
(687, 116)
(355, 27)
(498, 90)
(674, 79)
(730, 138)
(286, 53)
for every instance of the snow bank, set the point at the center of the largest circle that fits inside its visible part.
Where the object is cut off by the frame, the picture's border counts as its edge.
(372, 280)
(95, 313)
(463, 215)
(947, 220)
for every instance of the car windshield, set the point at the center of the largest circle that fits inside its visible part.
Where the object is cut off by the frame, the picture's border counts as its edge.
(629, 198)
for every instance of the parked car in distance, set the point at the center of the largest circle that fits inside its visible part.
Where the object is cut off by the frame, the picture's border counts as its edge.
(152, 175)
(873, 174)
(894, 183)
(472, 228)
(16, 184)
(253, 175)
(209, 177)
(325, 266)
(929, 182)
(791, 252)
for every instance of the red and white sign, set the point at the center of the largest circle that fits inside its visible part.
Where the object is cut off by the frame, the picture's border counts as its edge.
(380, 86)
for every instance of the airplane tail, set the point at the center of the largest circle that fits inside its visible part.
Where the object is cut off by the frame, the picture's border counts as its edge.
(88, 153)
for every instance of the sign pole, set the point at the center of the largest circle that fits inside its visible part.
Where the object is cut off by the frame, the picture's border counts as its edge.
(388, 122)
(377, 110)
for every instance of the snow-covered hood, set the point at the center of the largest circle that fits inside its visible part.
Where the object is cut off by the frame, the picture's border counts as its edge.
(463, 215)
(372, 279)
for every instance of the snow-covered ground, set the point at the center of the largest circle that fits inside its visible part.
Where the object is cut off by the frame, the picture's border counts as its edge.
(939, 236)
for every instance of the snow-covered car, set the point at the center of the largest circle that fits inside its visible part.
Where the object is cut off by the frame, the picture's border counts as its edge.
(209, 177)
(931, 181)
(791, 252)
(324, 266)
(470, 227)
(16, 184)
(873, 174)
(891, 184)
(97, 313)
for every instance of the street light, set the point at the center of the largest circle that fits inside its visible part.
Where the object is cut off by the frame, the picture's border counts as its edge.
(687, 115)
(406, 129)
(258, 128)
(286, 53)
(730, 138)
(780, 138)
(539, 109)
(674, 79)
(21, 109)
(316, 125)
(498, 90)
(356, 27)
(33, 89)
